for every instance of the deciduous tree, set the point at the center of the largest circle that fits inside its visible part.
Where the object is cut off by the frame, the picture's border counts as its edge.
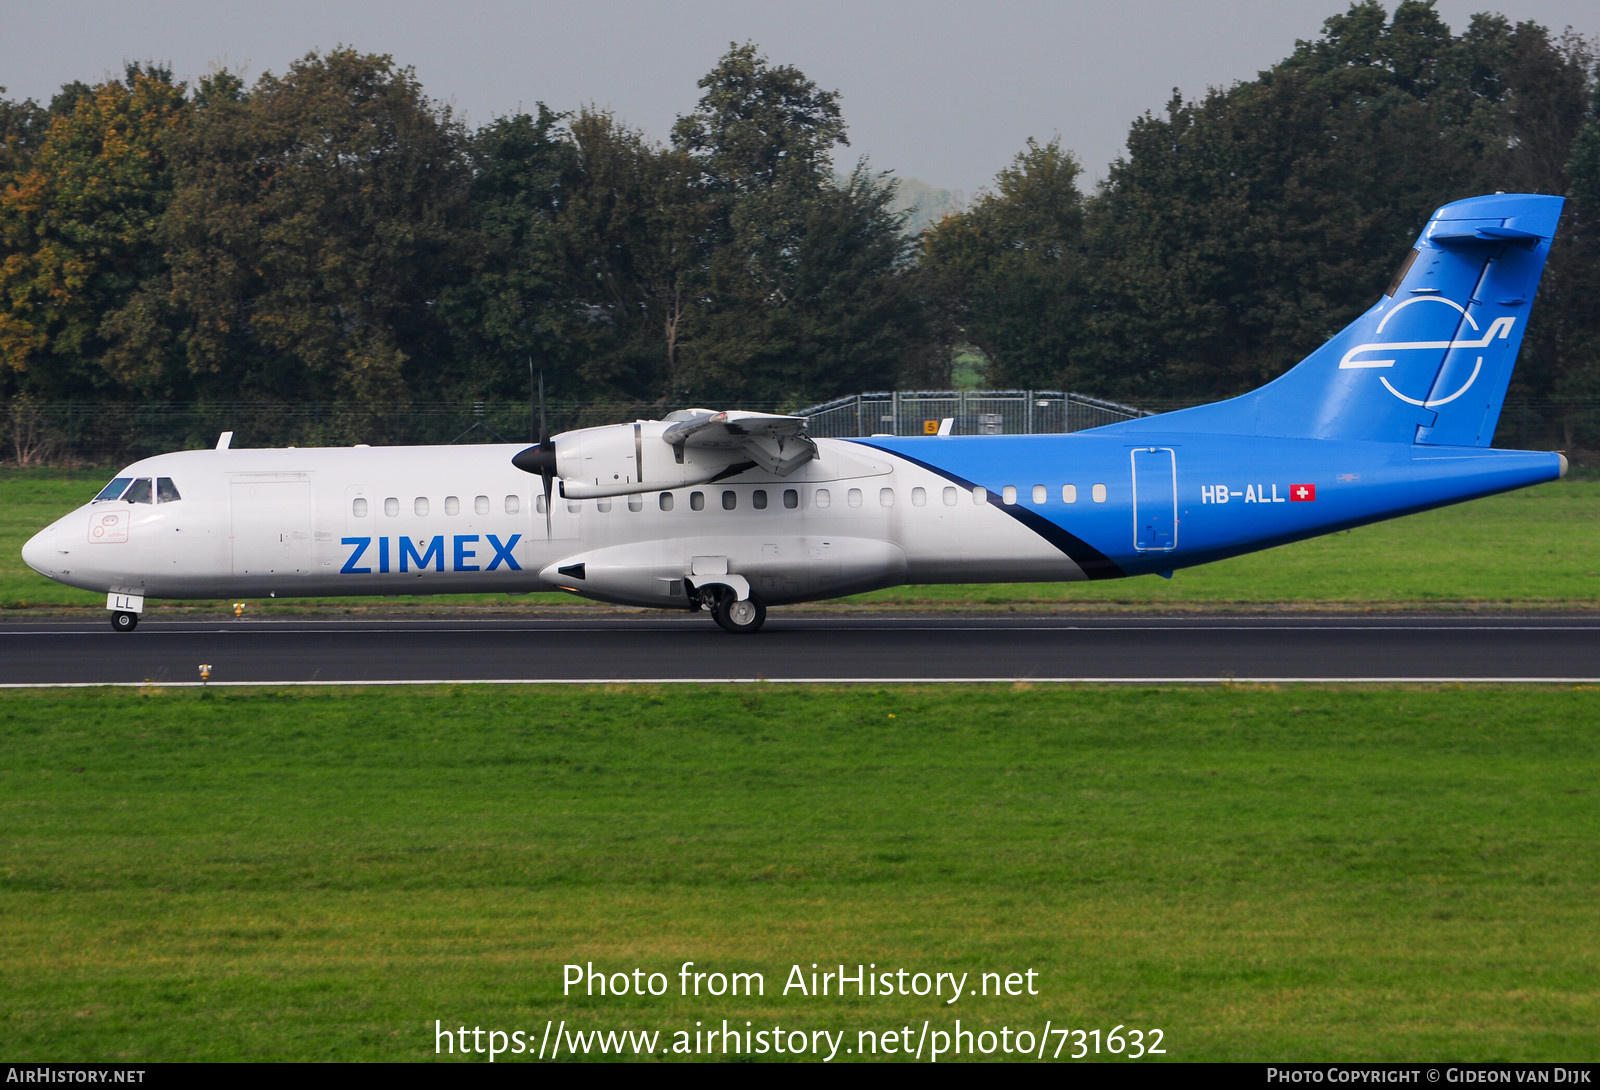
(313, 231)
(802, 293)
(1006, 274)
(77, 223)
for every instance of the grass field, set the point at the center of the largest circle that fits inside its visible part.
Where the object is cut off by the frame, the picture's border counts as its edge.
(1532, 549)
(1303, 873)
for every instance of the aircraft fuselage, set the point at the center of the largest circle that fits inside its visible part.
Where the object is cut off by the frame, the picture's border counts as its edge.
(862, 514)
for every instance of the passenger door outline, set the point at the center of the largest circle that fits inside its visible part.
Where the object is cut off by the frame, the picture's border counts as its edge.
(1155, 499)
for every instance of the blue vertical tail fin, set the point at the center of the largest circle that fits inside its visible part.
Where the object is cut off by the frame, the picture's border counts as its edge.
(1430, 361)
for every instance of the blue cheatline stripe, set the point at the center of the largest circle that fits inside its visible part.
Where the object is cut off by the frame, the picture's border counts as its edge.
(1095, 564)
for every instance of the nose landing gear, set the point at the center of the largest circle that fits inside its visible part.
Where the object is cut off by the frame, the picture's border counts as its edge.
(123, 621)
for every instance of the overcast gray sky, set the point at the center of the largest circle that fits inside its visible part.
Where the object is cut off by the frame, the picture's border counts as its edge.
(941, 90)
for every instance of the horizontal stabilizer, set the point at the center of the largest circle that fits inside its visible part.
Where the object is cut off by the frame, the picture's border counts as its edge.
(1488, 236)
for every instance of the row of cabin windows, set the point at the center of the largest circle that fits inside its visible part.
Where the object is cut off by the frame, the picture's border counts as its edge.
(697, 501)
(421, 506)
(1041, 494)
(665, 501)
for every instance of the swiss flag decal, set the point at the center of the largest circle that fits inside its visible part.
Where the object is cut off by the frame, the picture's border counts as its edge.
(1299, 492)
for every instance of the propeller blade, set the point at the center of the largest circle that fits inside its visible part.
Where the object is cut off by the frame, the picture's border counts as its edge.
(547, 471)
(541, 457)
(549, 526)
(544, 427)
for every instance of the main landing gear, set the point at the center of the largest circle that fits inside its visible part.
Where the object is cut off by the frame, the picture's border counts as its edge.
(123, 621)
(730, 613)
(739, 617)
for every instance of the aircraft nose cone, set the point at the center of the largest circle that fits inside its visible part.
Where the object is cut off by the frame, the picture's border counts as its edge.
(40, 553)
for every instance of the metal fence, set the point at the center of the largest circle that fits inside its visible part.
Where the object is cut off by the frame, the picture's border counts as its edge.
(974, 412)
(1526, 423)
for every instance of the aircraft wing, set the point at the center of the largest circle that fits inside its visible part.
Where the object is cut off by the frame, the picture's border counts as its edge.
(778, 444)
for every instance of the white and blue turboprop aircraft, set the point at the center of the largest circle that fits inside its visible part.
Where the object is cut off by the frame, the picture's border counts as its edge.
(735, 511)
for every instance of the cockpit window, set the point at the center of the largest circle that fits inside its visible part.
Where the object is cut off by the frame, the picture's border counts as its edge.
(166, 491)
(140, 492)
(113, 490)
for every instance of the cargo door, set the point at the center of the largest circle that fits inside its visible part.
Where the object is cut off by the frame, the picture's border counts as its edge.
(271, 522)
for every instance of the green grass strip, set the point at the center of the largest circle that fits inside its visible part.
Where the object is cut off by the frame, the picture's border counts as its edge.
(1297, 873)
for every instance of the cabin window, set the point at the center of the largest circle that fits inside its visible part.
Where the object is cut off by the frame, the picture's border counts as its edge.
(1040, 493)
(697, 501)
(885, 497)
(758, 499)
(791, 498)
(636, 502)
(452, 505)
(919, 497)
(480, 505)
(1069, 493)
(166, 491)
(391, 506)
(573, 507)
(113, 490)
(140, 492)
(539, 504)
(980, 495)
(513, 504)
(823, 499)
(420, 505)
(950, 496)
(602, 505)
(729, 500)
(1008, 495)
(853, 497)
(1099, 493)
(665, 501)
(358, 508)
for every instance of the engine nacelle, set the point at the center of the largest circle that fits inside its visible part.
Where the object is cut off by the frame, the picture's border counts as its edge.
(775, 569)
(619, 459)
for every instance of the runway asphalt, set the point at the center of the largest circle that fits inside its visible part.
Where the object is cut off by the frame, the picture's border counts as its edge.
(810, 647)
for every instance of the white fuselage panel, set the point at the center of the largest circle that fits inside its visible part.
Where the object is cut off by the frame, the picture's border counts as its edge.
(420, 520)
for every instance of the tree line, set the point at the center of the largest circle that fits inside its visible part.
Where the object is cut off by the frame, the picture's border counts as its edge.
(331, 234)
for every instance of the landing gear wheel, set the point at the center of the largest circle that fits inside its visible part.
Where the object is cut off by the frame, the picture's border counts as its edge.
(739, 617)
(124, 621)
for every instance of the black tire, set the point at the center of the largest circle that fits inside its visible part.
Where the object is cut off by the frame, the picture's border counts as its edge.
(740, 618)
(124, 621)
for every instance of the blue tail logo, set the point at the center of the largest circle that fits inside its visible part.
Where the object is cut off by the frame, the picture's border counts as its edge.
(1499, 329)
